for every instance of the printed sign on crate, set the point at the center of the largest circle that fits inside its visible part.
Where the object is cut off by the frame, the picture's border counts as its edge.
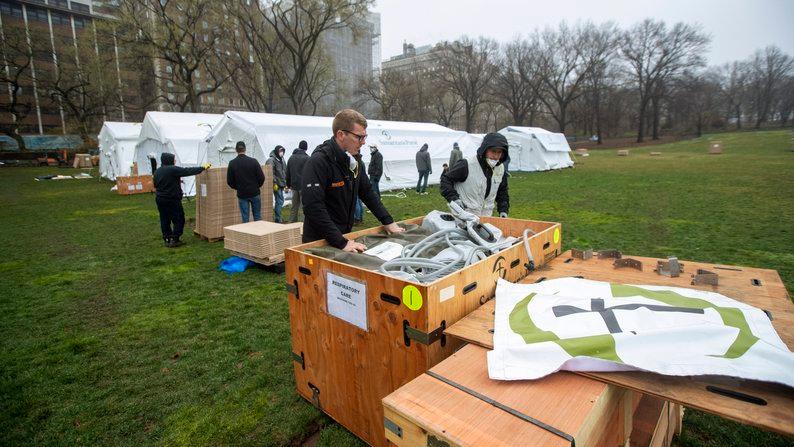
(347, 300)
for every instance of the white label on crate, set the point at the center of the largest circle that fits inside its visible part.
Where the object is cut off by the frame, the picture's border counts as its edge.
(446, 293)
(203, 190)
(386, 251)
(131, 187)
(139, 186)
(347, 300)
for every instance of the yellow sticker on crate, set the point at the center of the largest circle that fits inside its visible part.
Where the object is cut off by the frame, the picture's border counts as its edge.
(412, 297)
(557, 235)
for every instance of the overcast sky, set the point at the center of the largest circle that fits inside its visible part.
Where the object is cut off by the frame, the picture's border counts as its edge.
(737, 27)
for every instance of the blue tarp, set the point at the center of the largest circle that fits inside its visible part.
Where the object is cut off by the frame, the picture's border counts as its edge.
(37, 143)
(235, 264)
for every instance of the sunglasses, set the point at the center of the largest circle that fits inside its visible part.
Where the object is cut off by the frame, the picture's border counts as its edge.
(361, 138)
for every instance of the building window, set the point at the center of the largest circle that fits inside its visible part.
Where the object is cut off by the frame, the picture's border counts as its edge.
(80, 7)
(37, 14)
(11, 9)
(59, 18)
(59, 3)
(80, 22)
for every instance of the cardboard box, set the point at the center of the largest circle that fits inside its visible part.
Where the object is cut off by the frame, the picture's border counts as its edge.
(262, 240)
(216, 203)
(390, 330)
(137, 184)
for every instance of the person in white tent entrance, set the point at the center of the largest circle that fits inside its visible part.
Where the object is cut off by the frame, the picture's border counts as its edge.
(480, 182)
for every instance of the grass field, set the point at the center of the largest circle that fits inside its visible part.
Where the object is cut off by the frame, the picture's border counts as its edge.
(108, 338)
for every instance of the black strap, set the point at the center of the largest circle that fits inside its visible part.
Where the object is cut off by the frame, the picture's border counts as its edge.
(505, 408)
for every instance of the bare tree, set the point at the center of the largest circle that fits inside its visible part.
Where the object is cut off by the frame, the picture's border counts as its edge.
(320, 82)
(84, 82)
(515, 84)
(695, 98)
(768, 69)
(465, 69)
(185, 40)
(733, 87)
(297, 26)
(444, 105)
(786, 100)
(655, 54)
(389, 90)
(16, 74)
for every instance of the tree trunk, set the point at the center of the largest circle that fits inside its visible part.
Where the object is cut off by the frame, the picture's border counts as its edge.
(738, 117)
(655, 118)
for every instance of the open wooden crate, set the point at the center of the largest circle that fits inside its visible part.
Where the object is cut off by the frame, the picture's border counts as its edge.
(394, 328)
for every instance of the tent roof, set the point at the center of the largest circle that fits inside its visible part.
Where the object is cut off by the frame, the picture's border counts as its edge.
(253, 120)
(526, 130)
(122, 131)
(164, 126)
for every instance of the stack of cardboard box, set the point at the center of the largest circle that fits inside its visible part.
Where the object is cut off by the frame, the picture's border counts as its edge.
(262, 241)
(216, 203)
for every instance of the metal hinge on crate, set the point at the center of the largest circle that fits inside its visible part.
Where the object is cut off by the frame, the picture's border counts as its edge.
(627, 262)
(293, 289)
(392, 427)
(315, 395)
(705, 277)
(425, 338)
(671, 267)
(299, 359)
(432, 441)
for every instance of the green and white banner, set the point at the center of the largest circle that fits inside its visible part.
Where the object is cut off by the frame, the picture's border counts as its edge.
(582, 325)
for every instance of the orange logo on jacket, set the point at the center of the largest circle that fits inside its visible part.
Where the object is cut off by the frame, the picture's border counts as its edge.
(338, 184)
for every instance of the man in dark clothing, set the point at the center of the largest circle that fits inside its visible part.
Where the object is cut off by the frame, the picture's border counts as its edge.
(375, 168)
(169, 198)
(245, 176)
(478, 182)
(425, 168)
(295, 179)
(279, 180)
(333, 180)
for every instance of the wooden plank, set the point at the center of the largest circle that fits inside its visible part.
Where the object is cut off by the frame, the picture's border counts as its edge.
(776, 415)
(590, 411)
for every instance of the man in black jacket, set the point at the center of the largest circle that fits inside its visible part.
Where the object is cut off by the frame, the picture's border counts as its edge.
(245, 176)
(480, 182)
(295, 179)
(333, 179)
(425, 168)
(169, 198)
(375, 169)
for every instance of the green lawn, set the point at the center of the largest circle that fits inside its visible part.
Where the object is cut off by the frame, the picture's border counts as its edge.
(108, 338)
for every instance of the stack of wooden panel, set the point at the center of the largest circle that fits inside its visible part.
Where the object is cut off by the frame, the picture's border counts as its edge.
(216, 203)
(262, 241)
(82, 161)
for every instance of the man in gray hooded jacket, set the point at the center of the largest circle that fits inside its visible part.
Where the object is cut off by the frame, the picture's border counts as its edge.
(425, 168)
(480, 182)
(279, 180)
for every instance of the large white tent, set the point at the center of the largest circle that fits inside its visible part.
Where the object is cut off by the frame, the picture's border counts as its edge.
(117, 148)
(536, 149)
(397, 141)
(181, 134)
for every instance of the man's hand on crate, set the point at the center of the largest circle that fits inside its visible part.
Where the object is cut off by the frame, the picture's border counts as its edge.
(393, 228)
(354, 247)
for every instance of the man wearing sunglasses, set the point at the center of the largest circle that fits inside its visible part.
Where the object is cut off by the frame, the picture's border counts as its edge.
(333, 179)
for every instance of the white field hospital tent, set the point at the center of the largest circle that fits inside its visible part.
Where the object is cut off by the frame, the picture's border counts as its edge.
(536, 149)
(117, 148)
(181, 134)
(397, 141)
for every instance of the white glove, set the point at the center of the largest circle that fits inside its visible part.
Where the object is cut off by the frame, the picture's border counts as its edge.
(503, 215)
(458, 210)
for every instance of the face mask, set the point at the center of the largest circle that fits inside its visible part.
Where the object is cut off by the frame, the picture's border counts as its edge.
(492, 163)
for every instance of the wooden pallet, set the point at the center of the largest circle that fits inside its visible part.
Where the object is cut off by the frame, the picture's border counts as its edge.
(205, 238)
(761, 288)
(272, 260)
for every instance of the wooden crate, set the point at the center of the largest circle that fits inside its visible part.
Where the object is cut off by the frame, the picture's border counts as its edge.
(761, 288)
(346, 370)
(456, 403)
(137, 184)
